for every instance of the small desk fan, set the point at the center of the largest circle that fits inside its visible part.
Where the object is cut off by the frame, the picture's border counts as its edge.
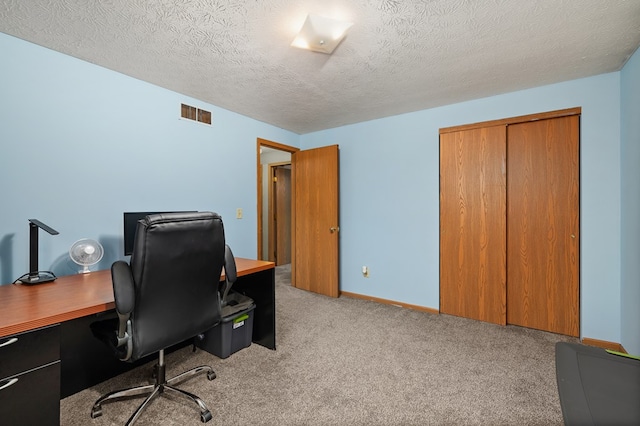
(86, 252)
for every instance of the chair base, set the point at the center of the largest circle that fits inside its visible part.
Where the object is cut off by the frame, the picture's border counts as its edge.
(159, 387)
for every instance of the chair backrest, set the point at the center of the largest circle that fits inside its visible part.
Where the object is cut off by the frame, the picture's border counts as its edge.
(176, 264)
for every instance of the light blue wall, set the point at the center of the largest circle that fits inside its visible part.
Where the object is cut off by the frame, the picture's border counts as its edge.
(630, 174)
(81, 144)
(389, 195)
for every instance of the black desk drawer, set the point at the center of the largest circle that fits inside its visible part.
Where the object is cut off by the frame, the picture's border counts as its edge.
(32, 349)
(31, 398)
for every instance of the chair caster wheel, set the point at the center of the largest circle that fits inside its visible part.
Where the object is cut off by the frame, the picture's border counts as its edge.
(211, 375)
(205, 416)
(96, 412)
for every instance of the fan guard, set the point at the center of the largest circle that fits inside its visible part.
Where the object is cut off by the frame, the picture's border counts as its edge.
(86, 252)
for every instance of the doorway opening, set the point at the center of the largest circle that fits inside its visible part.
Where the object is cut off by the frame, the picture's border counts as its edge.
(314, 212)
(274, 201)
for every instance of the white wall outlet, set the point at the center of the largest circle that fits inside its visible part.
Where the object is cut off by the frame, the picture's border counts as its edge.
(238, 213)
(365, 271)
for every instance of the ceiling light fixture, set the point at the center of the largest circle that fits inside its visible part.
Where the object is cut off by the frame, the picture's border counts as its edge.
(321, 34)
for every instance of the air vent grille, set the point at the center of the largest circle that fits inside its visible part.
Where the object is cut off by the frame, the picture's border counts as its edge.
(196, 114)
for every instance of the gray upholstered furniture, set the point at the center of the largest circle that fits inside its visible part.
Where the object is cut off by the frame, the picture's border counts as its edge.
(597, 387)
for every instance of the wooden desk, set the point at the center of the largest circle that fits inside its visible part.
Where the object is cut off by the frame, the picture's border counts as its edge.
(64, 308)
(26, 307)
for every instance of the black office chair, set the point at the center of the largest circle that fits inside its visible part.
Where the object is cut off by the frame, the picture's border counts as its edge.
(167, 295)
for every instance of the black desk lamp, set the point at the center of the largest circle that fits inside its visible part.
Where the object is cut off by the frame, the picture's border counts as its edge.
(34, 276)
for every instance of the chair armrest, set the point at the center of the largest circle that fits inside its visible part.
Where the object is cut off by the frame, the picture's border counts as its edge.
(123, 288)
(230, 273)
(125, 297)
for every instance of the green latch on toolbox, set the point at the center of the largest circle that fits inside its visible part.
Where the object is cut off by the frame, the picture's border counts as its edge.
(239, 322)
(241, 318)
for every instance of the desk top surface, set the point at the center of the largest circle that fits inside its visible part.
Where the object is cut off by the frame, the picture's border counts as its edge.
(26, 307)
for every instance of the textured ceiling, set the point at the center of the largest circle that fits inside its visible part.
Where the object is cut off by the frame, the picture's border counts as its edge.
(399, 56)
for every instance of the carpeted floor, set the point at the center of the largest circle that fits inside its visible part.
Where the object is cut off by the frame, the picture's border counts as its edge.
(353, 362)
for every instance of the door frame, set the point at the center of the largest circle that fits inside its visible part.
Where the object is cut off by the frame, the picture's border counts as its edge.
(260, 196)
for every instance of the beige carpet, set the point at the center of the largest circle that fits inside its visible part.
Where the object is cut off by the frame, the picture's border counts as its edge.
(352, 362)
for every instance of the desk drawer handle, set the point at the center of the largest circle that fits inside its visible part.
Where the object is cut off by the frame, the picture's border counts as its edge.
(6, 383)
(8, 342)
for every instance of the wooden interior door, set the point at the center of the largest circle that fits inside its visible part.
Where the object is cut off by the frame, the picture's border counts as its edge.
(543, 225)
(282, 215)
(315, 251)
(473, 223)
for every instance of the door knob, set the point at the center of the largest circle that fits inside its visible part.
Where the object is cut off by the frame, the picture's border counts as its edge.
(334, 229)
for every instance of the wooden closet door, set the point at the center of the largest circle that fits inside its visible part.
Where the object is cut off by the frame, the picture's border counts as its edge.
(543, 225)
(473, 224)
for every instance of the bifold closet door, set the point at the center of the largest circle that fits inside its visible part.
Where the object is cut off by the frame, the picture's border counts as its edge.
(473, 223)
(543, 225)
